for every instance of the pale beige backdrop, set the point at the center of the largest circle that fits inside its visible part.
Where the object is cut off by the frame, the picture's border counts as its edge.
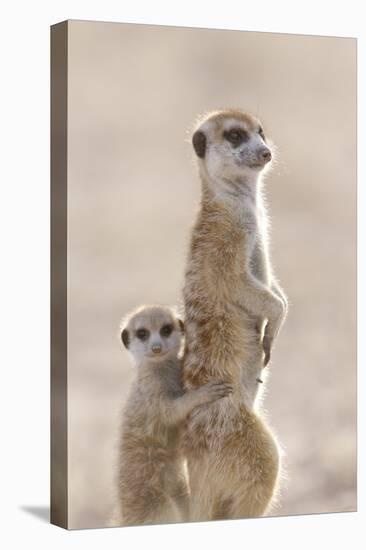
(134, 92)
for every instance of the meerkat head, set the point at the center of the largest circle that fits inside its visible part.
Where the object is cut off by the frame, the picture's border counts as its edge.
(231, 145)
(152, 332)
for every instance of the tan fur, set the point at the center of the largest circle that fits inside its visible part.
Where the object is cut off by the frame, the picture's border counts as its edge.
(233, 310)
(152, 484)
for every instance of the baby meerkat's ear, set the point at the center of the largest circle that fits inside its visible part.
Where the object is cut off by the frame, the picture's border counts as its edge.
(199, 142)
(125, 337)
(181, 325)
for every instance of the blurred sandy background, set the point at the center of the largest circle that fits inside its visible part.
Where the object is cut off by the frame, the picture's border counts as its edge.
(134, 92)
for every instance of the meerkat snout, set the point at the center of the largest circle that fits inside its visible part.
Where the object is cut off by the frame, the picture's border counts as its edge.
(264, 155)
(156, 348)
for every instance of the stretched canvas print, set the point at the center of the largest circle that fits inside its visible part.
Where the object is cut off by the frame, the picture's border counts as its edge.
(203, 316)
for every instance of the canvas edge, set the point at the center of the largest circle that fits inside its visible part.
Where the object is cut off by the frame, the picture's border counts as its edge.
(58, 253)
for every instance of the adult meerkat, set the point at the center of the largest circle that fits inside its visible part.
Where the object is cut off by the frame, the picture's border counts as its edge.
(152, 480)
(234, 309)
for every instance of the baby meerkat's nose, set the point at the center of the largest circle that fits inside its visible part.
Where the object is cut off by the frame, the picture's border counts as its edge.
(156, 348)
(264, 155)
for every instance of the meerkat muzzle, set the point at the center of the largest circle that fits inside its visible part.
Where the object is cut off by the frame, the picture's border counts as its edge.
(264, 155)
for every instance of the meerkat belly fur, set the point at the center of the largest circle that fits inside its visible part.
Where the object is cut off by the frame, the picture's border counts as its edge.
(234, 309)
(152, 482)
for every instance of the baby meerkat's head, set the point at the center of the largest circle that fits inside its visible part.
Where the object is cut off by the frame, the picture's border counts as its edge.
(152, 332)
(231, 144)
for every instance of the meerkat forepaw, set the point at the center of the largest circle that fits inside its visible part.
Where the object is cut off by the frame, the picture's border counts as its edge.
(267, 345)
(267, 355)
(216, 390)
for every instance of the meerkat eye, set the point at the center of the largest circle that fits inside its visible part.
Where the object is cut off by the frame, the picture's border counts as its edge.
(236, 136)
(166, 330)
(142, 333)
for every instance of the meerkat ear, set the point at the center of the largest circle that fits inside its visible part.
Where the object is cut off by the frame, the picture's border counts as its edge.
(181, 325)
(125, 337)
(199, 142)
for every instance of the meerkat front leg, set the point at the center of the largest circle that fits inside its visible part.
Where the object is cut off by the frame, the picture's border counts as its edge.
(263, 295)
(175, 410)
(262, 302)
(270, 334)
(260, 269)
(268, 337)
(275, 287)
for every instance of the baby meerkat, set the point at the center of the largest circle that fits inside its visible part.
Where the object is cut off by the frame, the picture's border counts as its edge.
(153, 486)
(234, 309)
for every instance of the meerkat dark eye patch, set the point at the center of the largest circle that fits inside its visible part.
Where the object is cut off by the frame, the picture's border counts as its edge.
(181, 325)
(142, 334)
(166, 330)
(199, 142)
(236, 136)
(261, 133)
(125, 337)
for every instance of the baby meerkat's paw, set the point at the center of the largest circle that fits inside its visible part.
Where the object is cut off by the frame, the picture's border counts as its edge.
(215, 390)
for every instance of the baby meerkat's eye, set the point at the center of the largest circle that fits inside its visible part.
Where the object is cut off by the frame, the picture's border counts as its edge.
(142, 333)
(166, 330)
(236, 136)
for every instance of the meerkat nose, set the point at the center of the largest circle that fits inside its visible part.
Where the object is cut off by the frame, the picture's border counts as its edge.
(156, 348)
(264, 155)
